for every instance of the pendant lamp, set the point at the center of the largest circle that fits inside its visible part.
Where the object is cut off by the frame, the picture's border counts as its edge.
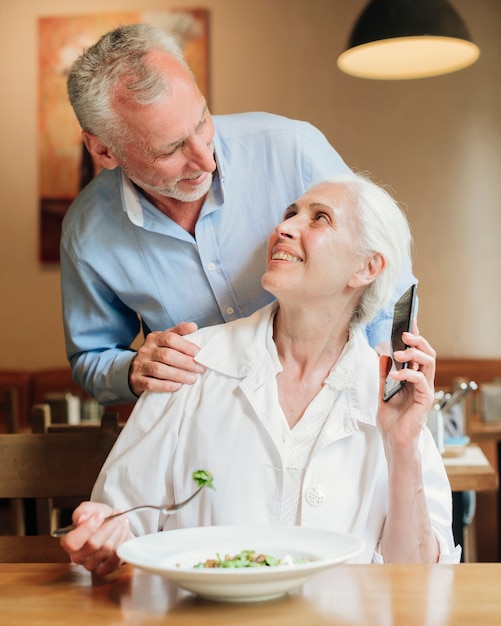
(401, 39)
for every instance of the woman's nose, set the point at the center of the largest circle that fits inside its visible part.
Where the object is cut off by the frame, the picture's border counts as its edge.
(287, 229)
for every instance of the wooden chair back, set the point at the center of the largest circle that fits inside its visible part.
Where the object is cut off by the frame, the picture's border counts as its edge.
(41, 422)
(20, 382)
(45, 466)
(10, 422)
(9, 411)
(49, 511)
(55, 380)
(60, 380)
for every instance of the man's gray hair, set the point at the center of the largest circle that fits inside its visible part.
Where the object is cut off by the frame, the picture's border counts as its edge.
(95, 74)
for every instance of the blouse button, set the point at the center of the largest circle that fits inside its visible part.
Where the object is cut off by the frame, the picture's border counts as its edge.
(316, 495)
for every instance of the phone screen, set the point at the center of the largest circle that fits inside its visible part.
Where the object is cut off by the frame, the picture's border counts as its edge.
(403, 316)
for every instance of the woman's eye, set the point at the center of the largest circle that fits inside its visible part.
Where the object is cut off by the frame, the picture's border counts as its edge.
(323, 217)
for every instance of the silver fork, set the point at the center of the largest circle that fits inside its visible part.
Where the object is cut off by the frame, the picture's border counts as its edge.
(165, 509)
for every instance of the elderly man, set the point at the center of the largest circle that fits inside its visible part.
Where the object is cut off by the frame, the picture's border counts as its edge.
(173, 230)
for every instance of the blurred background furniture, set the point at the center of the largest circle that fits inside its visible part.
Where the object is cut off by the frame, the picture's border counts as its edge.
(31, 549)
(469, 473)
(10, 421)
(46, 466)
(56, 511)
(35, 387)
(41, 422)
(14, 410)
(488, 437)
(46, 382)
(19, 391)
(9, 410)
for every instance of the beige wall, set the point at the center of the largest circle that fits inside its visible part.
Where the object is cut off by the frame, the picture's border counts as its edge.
(437, 142)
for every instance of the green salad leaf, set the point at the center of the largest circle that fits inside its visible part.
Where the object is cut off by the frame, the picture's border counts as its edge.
(245, 558)
(203, 478)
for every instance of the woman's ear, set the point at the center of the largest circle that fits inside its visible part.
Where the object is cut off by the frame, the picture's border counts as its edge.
(371, 269)
(99, 152)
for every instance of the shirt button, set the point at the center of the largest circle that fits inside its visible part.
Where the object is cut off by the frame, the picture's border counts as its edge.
(316, 495)
(211, 266)
(230, 310)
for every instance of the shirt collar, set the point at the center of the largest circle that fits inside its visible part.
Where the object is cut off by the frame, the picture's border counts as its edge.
(220, 169)
(356, 374)
(245, 347)
(131, 204)
(238, 347)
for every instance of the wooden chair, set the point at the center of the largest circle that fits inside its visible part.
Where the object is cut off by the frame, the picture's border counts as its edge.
(10, 423)
(45, 466)
(20, 384)
(41, 422)
(54, 509)
(9, 410)
(53, 380)
(60, 380)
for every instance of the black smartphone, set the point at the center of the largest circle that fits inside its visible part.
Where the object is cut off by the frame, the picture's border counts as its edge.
(403, 317)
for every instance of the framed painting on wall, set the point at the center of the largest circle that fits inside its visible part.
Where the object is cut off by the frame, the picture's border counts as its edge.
(64, 165)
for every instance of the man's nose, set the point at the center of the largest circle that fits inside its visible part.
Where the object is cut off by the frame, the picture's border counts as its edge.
(202, 155)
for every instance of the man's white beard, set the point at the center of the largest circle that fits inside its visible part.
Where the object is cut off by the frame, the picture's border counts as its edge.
(174, 192)
(190, 196)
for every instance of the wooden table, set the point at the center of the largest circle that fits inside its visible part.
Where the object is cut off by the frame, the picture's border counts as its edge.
(471, 471)
(488, 436)
(438, 595)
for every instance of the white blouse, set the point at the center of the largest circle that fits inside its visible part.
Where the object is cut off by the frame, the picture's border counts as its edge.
(328, 471)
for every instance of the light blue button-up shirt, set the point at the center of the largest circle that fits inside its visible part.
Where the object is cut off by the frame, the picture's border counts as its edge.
(125, 264)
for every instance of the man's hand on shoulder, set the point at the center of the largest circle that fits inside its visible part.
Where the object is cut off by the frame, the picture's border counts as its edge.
(165, 361)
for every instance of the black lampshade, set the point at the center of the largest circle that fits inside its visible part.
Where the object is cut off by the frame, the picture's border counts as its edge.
(400, 39)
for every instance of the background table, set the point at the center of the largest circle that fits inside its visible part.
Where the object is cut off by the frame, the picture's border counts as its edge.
(469, 470)
(488, 436)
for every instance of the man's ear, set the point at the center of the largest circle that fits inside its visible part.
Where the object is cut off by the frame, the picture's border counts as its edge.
(372, 267)
(99, 152)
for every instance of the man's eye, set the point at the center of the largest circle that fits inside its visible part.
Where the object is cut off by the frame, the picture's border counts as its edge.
(166, 155)
(201, 125)
(288, 215)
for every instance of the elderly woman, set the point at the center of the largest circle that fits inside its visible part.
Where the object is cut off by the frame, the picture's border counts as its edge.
(288, 415)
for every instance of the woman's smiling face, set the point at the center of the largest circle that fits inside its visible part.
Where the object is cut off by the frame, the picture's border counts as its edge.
(315, 249)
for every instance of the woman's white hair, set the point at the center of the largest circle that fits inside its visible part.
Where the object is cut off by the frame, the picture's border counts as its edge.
(384, 229)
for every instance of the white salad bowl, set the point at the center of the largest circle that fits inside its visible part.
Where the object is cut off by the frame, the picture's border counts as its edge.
(174, 554)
